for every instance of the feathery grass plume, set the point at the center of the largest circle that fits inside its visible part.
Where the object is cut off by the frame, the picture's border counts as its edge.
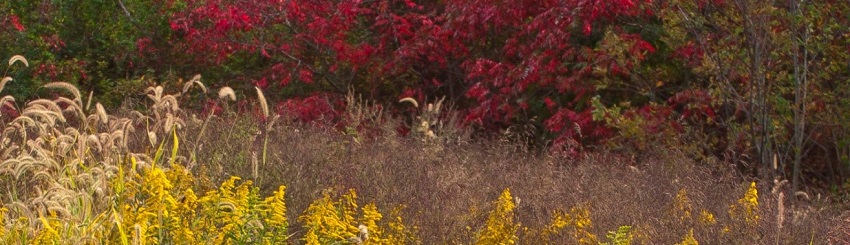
(108, 141)
(101, 113)
(72, 106)
(227, 92)
(72, 132)
(46, 116)
(170, 102)
(270, 124)
(125, 126)
(171, 121)
(6, 168)
(67, 87)
(263, 103)
(24, 165)
(5, 99)
(200, 84)
(3, 82)
(195, 80)
(780, 202)
(17, 58)
(152, 138)
(254, 166)
(157, 93)
(197, 77)
(88, 103)
(23, 121)
(139, 117)
(47, 104)
(42, 175)
(186, 86)
(4, 102)
(411, 100)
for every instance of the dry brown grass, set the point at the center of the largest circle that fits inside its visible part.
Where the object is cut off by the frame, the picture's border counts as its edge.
(448, 188)
(59, 159)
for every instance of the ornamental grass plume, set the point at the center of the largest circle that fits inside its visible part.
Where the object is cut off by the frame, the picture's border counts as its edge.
(3, 82)
(227, 92)
(196, 80)
(17, 58)
(67, 87)
(264, 105)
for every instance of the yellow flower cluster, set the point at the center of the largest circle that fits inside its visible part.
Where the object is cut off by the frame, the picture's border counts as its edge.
(689, 239)
(707, 218)
(152, 204)
(747, 206)
(3, 211)
(683, 205)
(683, 209)
(578, 219)
(500, 227)
(330, 221)
(49, 234)
(161, 207)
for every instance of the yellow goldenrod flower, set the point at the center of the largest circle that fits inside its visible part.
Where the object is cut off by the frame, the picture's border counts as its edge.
(500, 227)
(707, 218)
(689, 239)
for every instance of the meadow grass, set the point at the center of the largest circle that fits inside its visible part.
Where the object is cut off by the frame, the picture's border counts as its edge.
(71, 173)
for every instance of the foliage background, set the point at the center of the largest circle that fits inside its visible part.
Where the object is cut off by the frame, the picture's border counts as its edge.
(757, 85)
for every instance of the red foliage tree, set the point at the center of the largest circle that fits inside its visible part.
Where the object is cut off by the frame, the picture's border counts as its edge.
(497, 60)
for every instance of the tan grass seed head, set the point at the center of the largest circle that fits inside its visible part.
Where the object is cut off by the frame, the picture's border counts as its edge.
(411, 100)
(263, 103)
(4, 81)
(67, 87)
(227, 92)
(17, 58)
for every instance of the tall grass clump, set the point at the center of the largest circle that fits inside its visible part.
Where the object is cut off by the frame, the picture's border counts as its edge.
(73, 177)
